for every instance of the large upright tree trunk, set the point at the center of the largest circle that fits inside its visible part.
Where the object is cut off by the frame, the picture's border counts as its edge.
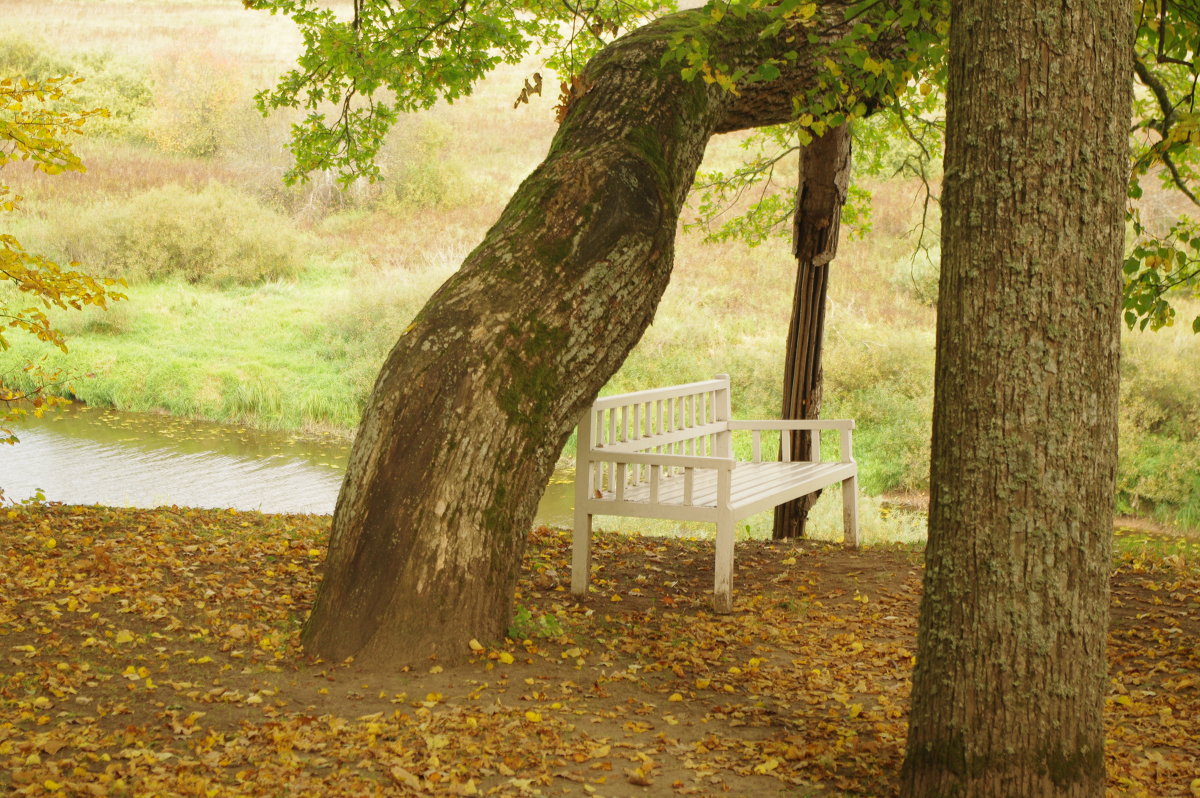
(478, 397)
(1010, 675)
(824, 181)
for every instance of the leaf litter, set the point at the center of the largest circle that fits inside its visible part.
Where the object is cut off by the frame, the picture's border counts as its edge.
(157, 652)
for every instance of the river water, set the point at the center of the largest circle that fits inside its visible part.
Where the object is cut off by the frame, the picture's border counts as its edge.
(82, 455)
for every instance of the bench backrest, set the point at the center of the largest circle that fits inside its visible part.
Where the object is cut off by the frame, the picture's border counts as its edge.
(690, 419)
(678, 419)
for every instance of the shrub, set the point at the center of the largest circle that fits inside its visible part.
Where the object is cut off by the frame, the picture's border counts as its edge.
(211, 235)
(201, 103)
(416, 171)
(917, 274)
(1160, 477)
(118, 84)
(1159, 471)
(882, 377)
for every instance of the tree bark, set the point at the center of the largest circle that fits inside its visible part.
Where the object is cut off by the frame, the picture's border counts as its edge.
(1010, 676)
(824, 181)
(478, 397)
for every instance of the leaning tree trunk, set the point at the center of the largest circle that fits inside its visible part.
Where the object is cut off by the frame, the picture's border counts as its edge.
(1010, 675)
(824, 181)
(478, 397)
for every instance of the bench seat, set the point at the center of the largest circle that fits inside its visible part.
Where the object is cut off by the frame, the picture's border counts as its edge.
(754, 487)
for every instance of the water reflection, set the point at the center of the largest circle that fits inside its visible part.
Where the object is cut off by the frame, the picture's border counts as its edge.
(82, 455)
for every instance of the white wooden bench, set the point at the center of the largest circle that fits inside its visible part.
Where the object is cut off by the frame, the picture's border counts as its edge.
(668, 453)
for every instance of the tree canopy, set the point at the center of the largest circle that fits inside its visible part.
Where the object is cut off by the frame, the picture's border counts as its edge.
(359, 71)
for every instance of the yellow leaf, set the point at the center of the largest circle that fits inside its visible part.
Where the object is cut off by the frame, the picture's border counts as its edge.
(506, 658)
(124, 636)
(475, 645)
(675, 697)
(533, 717)
(855, 710)
(767, 766)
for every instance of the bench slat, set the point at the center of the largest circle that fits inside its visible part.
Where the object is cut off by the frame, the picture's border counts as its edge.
(664, 438)
(674, 391)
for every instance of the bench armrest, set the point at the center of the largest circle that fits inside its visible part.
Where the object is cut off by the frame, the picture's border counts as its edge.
(844, 426)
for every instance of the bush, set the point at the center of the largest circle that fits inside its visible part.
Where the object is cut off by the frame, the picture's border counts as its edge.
(1159, 477)
(882, 377)
(1159, 472)
(416, 171)
(201, 104)
(120, 85)
(213, 235)
(917, 274)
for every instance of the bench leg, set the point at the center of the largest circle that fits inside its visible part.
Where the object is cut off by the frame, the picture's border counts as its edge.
(581, 553)
(723, 583)
(850, 512)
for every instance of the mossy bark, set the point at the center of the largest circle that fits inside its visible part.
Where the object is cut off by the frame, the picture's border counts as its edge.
(820, 195)
(1010, 676)
(477, 399)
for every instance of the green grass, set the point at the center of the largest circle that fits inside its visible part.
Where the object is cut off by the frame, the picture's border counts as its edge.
(1141, 549)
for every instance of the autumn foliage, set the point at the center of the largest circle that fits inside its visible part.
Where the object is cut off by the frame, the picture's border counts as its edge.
(36, 124)
(157, 652)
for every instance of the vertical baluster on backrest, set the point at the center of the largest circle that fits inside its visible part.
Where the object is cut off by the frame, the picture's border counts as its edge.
(814, 446)
(756, 445)
(673, 405)
(722, 413)
(634, 435)
(785, 447)
(709, 418)
(690, 420)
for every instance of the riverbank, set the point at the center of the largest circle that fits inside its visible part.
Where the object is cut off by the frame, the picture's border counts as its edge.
(158, 652)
